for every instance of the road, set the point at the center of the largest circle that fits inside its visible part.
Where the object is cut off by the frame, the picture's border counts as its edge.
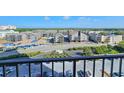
(51, 47)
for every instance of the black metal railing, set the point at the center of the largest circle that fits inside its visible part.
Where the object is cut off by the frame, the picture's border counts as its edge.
(17, 62)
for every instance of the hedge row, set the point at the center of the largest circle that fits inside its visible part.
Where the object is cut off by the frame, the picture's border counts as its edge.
(88, 51)
(31, 54)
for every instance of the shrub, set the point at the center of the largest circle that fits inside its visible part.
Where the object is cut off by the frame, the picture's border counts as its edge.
(21, 55)
(56, 55)
(33, 54)
(113, 52)
(101, 50)
(87, 51)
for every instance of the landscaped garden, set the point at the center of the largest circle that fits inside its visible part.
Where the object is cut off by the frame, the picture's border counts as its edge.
(31, 54)
(56, 55)
(97, 50)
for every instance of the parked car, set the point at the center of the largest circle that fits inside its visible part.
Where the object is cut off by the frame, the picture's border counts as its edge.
(60, 74)
(69, 73)
(81, 73)
(88, 74)
(116, 74)
(47, 74)
(1, 74)
(9, 70)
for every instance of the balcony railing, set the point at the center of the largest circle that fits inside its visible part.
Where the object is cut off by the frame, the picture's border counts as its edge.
(73, 60)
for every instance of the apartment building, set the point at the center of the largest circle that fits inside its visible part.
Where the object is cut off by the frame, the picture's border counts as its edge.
(110, 39)
(59, 38)
(14, 37)
(3, 33)
(114, 39)
(78, 36)
(8, 27)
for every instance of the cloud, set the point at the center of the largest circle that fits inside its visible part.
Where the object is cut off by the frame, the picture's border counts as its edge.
(46, 18)
(83, 18)
(66, 17)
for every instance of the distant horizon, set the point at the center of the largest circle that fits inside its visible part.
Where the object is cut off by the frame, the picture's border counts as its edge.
(65, 28)
(63, 21)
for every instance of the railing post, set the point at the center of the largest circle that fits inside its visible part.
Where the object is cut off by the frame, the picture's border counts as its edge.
(111, 70)
(52, 69)
(103, 66)
(120, 67)
(4, 71)
(41, 69)
(63, 68)
(29, 69)
(74, 68)
(17, 70)
(84, 68)
(94, 67)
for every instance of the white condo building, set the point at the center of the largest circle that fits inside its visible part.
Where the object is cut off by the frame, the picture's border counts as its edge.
(110, 39)
(3, 33)
(8, 27)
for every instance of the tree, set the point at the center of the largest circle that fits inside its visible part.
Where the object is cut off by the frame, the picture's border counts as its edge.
(120, 47)
(87, 51)
(119, 33)
(113, 52)
(121, 44)
(101, 50)
(103, 33)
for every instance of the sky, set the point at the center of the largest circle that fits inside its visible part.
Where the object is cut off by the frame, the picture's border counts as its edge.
(63, 21)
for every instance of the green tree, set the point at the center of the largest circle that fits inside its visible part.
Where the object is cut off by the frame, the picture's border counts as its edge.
(113, 52)
(103, 33)
(87, 51)
(120, 47)
(101, 50)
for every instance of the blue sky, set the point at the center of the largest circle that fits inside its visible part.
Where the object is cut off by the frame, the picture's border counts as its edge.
(64, 21)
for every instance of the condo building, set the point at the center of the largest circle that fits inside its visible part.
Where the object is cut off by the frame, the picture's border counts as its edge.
(8, 27)
(3, 33)
(59, 38)
(110, 39)
(13, 37)
(78, 36)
